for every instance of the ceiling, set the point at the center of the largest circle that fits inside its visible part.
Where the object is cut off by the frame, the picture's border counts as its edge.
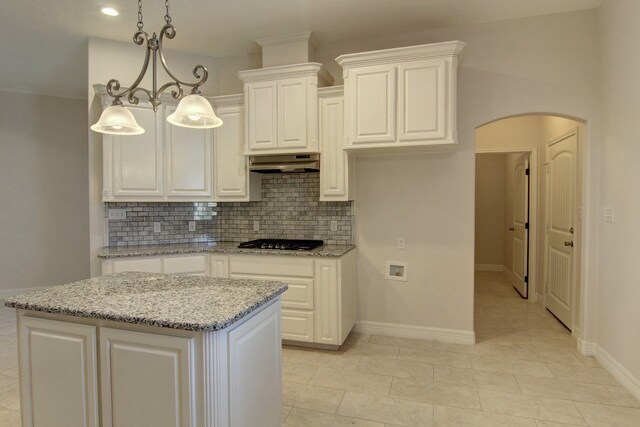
(43, 43)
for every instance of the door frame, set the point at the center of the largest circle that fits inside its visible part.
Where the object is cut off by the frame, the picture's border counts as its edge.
(532, 291)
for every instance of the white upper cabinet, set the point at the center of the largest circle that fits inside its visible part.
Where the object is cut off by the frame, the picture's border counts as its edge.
(282, 108)
(166, 163)
(189, 160)
(336, 168)
(401, 97)
(133, 164)
(232, 181)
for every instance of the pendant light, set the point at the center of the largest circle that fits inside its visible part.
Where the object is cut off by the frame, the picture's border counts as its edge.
(193, 111)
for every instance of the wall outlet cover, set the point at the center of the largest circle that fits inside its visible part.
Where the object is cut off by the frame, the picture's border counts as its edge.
(402, 243)
(397, 270)
(192, 226)
(157, 227)
(256, 225)
(334, 225)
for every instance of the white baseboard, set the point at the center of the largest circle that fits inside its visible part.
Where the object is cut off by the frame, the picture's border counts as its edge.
(455, 336)
(615, 368)
(489, 267)
(6, 293)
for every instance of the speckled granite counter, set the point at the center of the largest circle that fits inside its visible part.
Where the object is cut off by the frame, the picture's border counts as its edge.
(331, 251)
(169, 301)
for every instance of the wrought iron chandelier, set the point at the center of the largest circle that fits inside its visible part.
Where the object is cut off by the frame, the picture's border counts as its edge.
(193, 111)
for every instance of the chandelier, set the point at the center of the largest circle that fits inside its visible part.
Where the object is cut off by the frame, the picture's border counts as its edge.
(193, 111)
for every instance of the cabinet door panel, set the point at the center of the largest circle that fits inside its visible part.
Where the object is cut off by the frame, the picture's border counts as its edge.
(262, 115)
(59, 363)
(230, 170)
(145, 265)
(292, 118)
(328, 302)
(137, 159)
(189, 160)
(297, 325)
(372, 107)
(145, 379)
(421, 100)
(335, 164)
(192, 265)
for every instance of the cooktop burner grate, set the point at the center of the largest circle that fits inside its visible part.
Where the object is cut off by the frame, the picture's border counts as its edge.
(282, 244)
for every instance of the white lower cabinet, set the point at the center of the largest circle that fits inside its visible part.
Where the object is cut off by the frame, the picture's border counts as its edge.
(194, 265)
(149, 376)
(146, 379)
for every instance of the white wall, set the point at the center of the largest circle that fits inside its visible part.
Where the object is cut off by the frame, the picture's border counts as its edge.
(618, 313)
(109, 59)
(490, 209)
(44, 228)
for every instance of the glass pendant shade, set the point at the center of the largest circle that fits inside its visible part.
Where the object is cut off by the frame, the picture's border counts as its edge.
(194, 111)
(117, 120)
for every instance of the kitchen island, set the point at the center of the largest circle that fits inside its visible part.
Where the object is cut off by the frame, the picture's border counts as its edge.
(138, 349)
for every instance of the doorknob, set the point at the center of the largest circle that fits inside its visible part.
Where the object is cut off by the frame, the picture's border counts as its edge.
(511, 229)
(568, 243)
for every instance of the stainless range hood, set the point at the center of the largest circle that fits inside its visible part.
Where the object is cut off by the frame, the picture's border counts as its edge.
(285, 163)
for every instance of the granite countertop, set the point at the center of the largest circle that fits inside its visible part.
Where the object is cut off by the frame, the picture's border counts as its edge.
(166, 300)
(330, 251)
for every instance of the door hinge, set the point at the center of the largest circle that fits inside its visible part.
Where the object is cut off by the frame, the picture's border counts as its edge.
(526, 171)
(526, 225)
(526, 279)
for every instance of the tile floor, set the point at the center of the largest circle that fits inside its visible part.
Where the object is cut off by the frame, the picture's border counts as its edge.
(524, 371)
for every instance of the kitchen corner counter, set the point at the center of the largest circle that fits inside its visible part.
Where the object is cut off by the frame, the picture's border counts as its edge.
(163, 300)
(328, 251)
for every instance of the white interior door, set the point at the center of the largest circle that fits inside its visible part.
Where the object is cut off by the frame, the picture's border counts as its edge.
(559, 248)
(520, 241)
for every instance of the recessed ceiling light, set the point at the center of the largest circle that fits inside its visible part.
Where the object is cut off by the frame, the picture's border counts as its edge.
(109, 11)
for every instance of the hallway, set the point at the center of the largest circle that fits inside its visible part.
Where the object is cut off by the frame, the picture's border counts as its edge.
(524, 371)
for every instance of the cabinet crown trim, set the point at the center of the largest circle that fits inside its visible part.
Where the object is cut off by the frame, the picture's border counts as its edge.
(329, 91)
(401, 54)
(227, 100)
(311, 69)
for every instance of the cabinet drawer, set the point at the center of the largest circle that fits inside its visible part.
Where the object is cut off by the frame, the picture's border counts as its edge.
(297, 325)
(145, 265)
(300, 292)
(271, 266)
(185, 265)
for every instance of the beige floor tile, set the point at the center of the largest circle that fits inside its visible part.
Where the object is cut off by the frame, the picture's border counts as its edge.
(333, 359)
(352, 381)
(559, 356)
(623, 397)
(480, 349)
(6, 381)
(356, 337)
(387, 410)
(401, 342)
(582, 374)
(440, 394)
(10, 397)
(510, 366)
(543, 408)
(540, 423)
(445, 416)
(14, 373)
(286, 410)
(397, 368)
(609, 416)
(481, 379)
(371, 350)
(311, 397)
(297, 372)
(580, 392)
(9, 418)
(434, 357)
(303, 418)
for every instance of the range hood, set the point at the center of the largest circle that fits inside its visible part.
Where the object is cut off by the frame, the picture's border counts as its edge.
(285, 163)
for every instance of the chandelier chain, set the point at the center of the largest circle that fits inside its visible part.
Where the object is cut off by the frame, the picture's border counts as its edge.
(140, 23)
(167, 18)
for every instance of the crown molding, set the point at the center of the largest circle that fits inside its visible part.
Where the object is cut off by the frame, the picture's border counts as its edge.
(400, 54)
(235, 100)
(328, 91)
(310, 69)
(289, 38)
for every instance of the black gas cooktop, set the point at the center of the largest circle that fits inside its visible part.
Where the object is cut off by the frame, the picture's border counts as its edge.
(283, 244)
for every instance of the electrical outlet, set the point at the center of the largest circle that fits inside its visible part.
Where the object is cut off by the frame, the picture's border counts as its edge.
(192, 226)
(157, 227)
(608, 215)
(256, 225)
(334, 225)
(402, 244)
(117, 214)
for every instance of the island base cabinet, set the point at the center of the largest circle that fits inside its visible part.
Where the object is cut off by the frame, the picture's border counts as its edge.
(150, 376)
(58, 381)
(146, 379)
